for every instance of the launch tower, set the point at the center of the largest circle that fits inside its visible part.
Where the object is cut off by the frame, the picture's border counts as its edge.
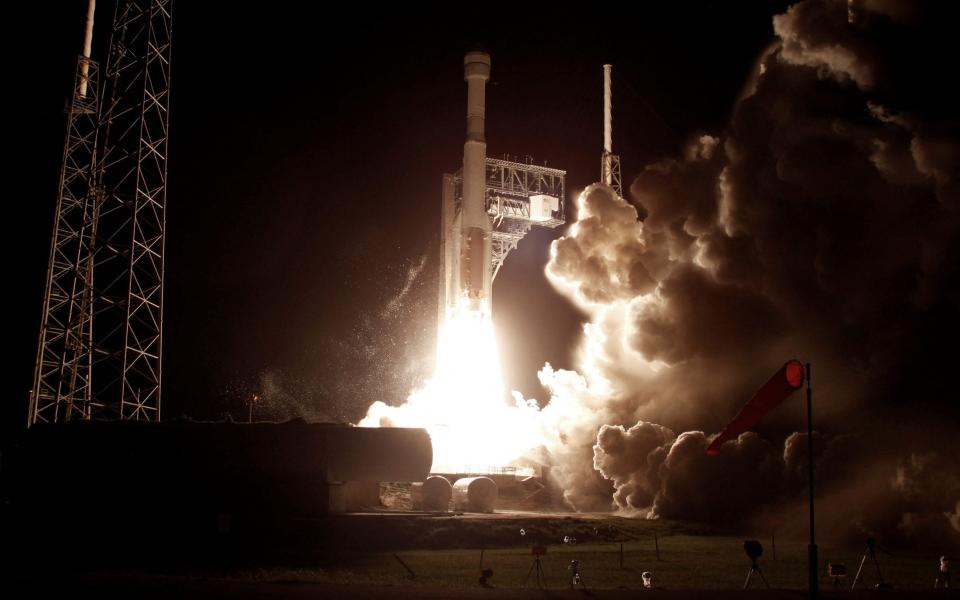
(101, 326)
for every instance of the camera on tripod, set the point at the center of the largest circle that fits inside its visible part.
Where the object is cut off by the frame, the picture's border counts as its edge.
(754, 550)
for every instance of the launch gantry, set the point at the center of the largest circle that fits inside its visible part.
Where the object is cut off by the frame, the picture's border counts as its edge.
(99, 350)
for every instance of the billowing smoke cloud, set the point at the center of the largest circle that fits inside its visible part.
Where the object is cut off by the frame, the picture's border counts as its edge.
(656, 474)
(631, 458)
(722, 489)
(822, 224)
(929, 486)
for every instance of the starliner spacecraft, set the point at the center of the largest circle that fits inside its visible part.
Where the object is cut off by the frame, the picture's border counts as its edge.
(488, 206)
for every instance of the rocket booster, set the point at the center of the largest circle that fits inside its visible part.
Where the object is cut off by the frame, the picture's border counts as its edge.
(465, 229)
(488, 206)
(469, 271)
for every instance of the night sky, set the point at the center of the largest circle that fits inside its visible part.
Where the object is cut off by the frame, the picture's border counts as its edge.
(304, 179)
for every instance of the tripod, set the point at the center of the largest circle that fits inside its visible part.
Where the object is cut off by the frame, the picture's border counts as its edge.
(755, 568)
(541, 576)
(872, 554)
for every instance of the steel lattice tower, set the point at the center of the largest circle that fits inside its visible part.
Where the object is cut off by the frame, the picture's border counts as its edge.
(61, 384)
(517, 197)
(101, 332)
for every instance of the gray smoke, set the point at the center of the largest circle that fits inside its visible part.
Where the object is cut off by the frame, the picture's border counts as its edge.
(631, 458)
(822, 224)
(656, 474)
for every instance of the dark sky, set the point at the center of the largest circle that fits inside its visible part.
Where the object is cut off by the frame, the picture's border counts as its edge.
(304, 178)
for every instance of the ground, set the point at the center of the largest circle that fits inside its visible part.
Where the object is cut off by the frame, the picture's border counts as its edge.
(150, 587)
(429, 556)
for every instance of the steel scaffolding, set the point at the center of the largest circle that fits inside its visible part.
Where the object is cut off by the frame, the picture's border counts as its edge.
(510, 188)
(100, 344)
(61, 381)
(610, 172)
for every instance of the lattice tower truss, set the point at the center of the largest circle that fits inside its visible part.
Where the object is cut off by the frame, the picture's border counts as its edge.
(518, 196)
(99, 353)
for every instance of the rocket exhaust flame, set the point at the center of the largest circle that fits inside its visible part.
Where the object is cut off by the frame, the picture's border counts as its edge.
(464, 406)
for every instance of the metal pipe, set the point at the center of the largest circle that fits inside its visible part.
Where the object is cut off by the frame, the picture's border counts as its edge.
(88, 35)
(606, 161)
(87, 48)
(812, 548)
(607, 110)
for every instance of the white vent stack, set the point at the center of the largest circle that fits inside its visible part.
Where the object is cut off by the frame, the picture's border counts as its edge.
(607, 112)
(609, 162)
(87, 48)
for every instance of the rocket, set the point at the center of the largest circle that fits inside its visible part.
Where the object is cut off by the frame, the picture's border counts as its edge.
(466, 266)
(489, 205)
(475, 264)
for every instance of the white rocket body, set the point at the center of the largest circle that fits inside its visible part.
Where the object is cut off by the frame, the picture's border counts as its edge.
(466, 281)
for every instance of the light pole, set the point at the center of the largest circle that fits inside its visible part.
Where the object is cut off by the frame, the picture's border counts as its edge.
(254, 398)
(812, 547)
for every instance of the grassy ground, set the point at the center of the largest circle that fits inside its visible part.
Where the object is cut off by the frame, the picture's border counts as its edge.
(687, 561)
(443, 551)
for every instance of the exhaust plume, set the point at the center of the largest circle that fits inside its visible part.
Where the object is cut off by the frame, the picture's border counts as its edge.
(822, 223)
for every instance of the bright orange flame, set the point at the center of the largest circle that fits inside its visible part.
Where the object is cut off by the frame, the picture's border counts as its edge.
(472, 425)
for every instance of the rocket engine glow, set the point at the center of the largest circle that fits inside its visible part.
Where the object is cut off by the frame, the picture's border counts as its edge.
(463, 406)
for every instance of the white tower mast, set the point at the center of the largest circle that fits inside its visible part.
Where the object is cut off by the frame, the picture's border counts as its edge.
(610, 162)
